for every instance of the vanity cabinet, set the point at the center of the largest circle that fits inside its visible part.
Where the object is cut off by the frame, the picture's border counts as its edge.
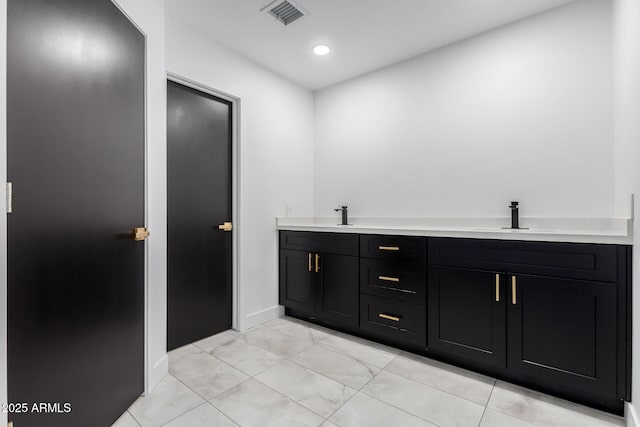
(319, 276)
(393, 288)
(547, 315)
(467, 314)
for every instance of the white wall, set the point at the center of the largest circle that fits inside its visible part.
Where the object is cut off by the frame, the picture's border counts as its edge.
(523, 113)
(149, 16)
(276, 155)
(626, 42)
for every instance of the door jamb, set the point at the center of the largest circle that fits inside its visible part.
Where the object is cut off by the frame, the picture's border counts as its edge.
(238, 296)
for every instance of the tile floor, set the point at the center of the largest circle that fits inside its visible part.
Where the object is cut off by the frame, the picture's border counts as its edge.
(291, 373)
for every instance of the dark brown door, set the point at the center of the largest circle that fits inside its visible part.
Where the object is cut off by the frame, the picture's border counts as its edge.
(76, 160)
(199, 200)
(563, 332)
(467, 314)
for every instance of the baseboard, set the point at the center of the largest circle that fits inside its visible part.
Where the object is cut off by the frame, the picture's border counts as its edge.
(631, 415)
(157, 373)
(259, 317)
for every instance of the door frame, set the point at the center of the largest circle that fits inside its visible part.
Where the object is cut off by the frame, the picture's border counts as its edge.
(236, 290)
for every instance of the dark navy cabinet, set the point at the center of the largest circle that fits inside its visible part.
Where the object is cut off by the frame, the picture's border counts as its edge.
(546, 315)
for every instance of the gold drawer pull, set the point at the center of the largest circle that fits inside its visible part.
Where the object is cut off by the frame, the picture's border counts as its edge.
(497, 288)
(389, 248)
(310, 256)
(514, 298)
(389, 317)
(388, 279)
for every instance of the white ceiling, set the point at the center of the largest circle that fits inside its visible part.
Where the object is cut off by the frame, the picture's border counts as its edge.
(365, 35)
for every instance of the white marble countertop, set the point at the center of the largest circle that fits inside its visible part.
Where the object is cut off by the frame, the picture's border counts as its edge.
(579, 230)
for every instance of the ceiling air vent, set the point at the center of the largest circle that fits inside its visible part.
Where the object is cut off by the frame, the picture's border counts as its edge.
(285, 11)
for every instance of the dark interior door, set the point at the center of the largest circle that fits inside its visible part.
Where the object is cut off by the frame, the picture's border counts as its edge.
(199, 200)
(76, 160)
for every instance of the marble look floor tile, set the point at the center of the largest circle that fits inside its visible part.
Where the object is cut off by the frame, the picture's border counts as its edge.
(186, 350)
(454, 380)
(328, 424)
(302, 330)
(254, 404)
(204, 415)
(362, 350)
(492, 418)
(210, 343)
(275, 342)
(547, 411)
(318, 393)
(206, 375)
(336, 366)
(126, 420)
(423, 401)
(250, 359)
(168, 400)
(363, 410)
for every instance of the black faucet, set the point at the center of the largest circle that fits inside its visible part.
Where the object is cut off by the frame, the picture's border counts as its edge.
(344, 215)
(515, 221)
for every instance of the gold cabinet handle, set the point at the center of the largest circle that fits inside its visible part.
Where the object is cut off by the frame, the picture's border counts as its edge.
(389, 317)
(140, 233)
(389, 248)
(497, 288)
(310, 256)
(317, 263)
(227, 226)
(514, 299)
(388, 279)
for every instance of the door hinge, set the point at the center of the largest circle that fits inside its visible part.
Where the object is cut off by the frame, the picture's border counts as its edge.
(9, 201)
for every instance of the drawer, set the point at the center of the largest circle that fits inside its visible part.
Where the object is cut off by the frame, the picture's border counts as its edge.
(329, 243)
(566, 260)
(402, 322)
(393, 279)
(404, 248)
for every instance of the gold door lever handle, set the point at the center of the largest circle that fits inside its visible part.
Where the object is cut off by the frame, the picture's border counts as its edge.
(227, 226)
(140, 233)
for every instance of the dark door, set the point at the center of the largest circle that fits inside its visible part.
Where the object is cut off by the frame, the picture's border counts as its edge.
(467, 314)
(75, 152)
(199, 200)
(563, 332)
(298, 282)
(339, 291)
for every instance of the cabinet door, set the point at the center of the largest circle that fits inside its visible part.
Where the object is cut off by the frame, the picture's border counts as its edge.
(563, 332)
(338, 300)
(467, 314)
(297, 281)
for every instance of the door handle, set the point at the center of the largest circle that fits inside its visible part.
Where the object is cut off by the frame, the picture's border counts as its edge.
(389, 317)
(317, 263)
(140, 233)
(227, 226)
(310, 256)
(514, 299)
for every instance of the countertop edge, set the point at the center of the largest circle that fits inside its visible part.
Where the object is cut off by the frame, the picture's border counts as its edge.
(537, 236)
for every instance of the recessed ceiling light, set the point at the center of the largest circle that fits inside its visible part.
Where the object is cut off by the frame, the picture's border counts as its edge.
(321, 49)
